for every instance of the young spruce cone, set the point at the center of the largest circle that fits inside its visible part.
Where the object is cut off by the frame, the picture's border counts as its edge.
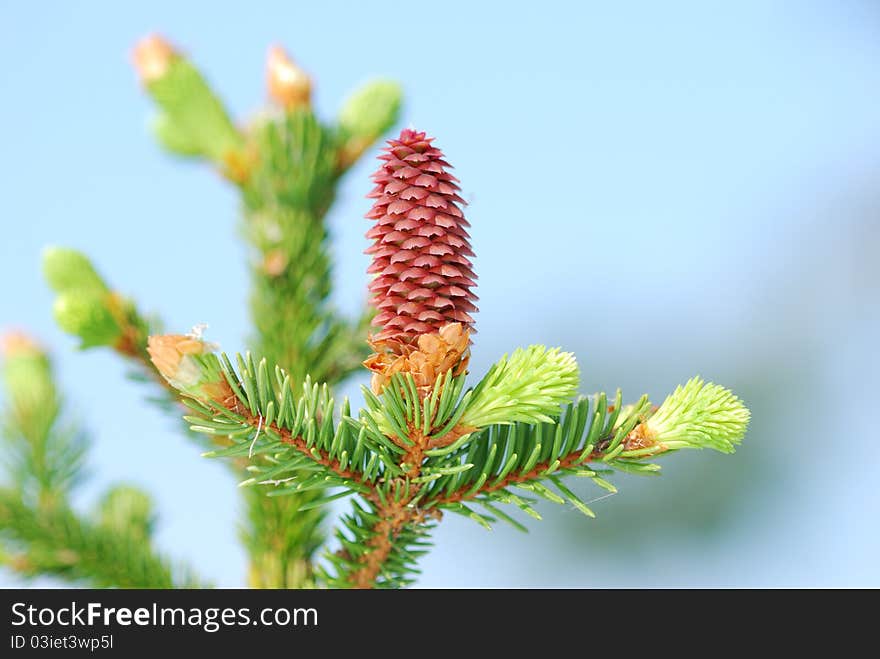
(420, 252)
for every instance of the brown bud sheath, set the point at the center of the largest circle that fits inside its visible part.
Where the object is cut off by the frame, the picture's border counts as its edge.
(152, 56)
(168, 353)
(171, 355)
(16, 343)
(289, 86)
(420, 249)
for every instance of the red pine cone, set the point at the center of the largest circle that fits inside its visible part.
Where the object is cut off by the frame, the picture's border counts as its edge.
(424, 278)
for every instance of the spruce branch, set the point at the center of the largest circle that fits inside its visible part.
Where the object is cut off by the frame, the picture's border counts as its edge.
(263, 413)
(381, 542)
(424, 443)
(58, 542)
(302, 451)
(521, 455)
(44, 456)
(383, 459)
(621, 438)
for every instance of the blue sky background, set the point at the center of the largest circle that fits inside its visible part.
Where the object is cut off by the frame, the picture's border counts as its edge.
(665, 189)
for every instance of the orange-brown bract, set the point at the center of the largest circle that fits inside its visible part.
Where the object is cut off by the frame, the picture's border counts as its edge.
(430, 357)
(171, 355)
(289, 86)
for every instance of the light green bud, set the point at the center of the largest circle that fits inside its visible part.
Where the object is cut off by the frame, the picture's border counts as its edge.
(530, 386)
(88, 316)
(27, 375)
(700, 415)
(370, 111)
(69, 270)
(127, 508)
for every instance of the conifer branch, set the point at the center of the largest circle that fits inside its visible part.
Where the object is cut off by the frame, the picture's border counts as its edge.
(394, 517)
(539, 471)
(44, 455)
(39, 532)
(87, 308)
(56, 541)
(425, 441)
(380, 540)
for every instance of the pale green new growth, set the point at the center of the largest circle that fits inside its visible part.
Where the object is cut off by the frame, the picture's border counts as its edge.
(700, 415)
(85, 314)
(193, 121)
(67, 270)
(87, 308)
(127, 509)
(174, 137)
(530, 387)
(28, 380)
(371, 109)
(81, 307)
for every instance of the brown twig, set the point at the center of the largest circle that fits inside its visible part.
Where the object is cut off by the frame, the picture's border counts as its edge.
(450, 437)
(299, 443)
(395, 515)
